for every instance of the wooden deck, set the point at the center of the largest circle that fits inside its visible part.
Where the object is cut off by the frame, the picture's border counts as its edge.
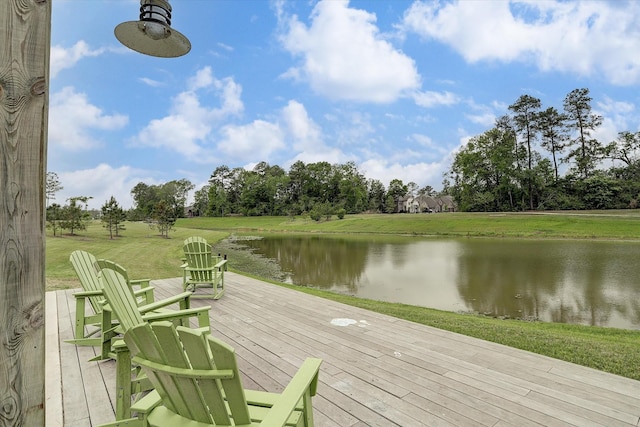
(377, 370)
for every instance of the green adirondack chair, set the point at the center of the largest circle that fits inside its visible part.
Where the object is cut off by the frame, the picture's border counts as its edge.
(89, 328)
(197, 384)
(202, 269)
(123, 306)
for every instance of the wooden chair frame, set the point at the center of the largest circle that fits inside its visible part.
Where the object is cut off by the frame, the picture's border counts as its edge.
(197, 384)
(91, 328)
(201, 269)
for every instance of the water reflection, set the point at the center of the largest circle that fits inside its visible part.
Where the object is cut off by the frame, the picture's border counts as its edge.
(584, 282)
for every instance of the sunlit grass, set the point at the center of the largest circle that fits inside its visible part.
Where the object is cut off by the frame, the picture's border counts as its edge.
(581, 224)
(140, 249)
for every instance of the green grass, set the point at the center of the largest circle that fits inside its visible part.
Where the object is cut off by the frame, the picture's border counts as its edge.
(141, 250)
(145, 254)
(587, 224)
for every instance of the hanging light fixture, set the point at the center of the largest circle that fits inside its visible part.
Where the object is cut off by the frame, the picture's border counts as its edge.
(152, 34)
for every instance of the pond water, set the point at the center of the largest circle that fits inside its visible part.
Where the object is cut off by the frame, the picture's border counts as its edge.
(576, 281)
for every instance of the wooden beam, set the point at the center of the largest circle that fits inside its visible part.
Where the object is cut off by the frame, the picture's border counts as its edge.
(25, 39)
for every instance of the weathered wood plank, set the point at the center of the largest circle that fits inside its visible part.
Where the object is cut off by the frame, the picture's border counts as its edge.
(25, 39)
(52, 389)
(75, 407)
(385, 372)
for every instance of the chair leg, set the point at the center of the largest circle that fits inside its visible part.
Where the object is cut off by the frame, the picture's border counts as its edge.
(123, 381)
(107, 334)
(80, 307)
(308, 410)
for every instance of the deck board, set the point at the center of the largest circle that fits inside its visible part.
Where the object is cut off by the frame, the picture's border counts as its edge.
(378, 371)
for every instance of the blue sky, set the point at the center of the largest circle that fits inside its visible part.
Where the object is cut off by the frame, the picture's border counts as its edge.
(394, 86)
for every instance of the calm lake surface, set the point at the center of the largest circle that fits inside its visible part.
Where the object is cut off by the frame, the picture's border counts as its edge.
(586, 282)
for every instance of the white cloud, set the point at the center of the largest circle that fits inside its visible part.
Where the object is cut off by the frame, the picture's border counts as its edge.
(151, 82)
(484, 115)
(304, 131)
(344, 56)
(62, 58)
(421, 173)
(203, 78)
(256, 140)
(72, 118)
(430, 99)
(101, 183)
(577, 37)
(188, 128)
(617, 116)
(307, 137)
(423, 140)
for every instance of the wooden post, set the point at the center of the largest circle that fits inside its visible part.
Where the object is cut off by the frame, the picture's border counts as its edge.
(25, 39)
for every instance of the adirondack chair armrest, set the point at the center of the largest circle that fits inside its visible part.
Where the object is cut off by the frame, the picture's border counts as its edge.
(177, 314)
(142, 291)
(87, 294)
(213, 268)
(165, 302)
(306, 379)
(145, 292)
(220, 264)
(147, 403)
(143, 283)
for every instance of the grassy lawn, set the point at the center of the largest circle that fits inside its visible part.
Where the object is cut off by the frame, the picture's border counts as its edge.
(145, 254)
(587, 224)
(141, 250)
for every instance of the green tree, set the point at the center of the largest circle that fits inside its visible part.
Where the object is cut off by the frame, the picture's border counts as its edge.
(144, 198)
(625, 148)
(74, 215)
(599, 191)
(396, 190)
(390, 204)
(586, 150)
(225, 190)
(427, 190)
(412, 189)
(201, 201)
(352, 188)
(295, 195)
(53, 185)
(553, 130)
(113, 217)
(525, 111)
(173, 193)
(484, 173)
(54, 215)
(164, 219)
(376, 194)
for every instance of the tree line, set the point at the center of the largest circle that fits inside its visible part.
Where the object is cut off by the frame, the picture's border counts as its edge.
(542, 158)
(320, 190)
(158, 205)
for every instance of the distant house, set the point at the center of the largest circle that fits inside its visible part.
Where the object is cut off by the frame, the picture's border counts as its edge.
(426, 204)
(190, 212)
(448, 204)
(403, 203)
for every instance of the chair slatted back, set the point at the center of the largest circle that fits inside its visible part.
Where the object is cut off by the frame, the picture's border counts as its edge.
(173, 358)
(119, 294)
(197, 253)
(83, 265)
